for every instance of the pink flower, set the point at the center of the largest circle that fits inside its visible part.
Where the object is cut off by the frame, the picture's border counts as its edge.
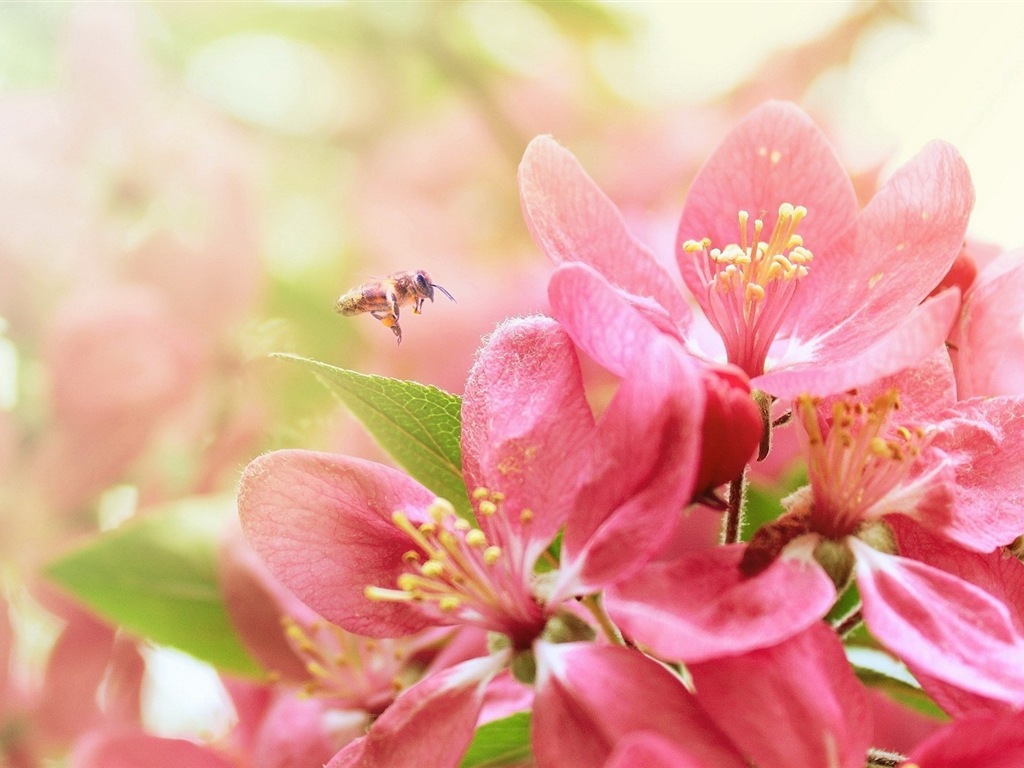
(630, 337)
(376, 553)
(959, 476)
(829, 307)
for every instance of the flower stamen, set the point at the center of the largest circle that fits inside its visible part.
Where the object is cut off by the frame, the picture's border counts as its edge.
(457, 573)
(751, 284)
(860, 458)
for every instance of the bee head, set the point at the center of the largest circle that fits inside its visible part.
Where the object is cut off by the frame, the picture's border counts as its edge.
(424, 286)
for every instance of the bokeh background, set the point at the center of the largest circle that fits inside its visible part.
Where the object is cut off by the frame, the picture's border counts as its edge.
(186, 188)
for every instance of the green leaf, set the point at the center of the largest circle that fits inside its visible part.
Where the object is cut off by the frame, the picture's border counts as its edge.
(418, 425)
(879, 670)
(500, 742)
(156, 576)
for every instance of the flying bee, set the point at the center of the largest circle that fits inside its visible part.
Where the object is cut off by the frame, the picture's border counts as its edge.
(383, 297)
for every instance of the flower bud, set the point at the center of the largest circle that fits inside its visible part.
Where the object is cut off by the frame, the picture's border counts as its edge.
(732, 427)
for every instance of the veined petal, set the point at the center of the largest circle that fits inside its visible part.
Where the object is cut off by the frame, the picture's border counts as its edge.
(645, 452)
(846, 361)
(589, 697)
(572, 220)
(982, 741)
(645, 458)
(998, 573)
(941, 624)
(796, 703)
(525, 424)
(322, 523)
(776, 155)
(700, 606)
(898, 249)
(602, 320)
(429, 724)
(984, 439)
(988, 340)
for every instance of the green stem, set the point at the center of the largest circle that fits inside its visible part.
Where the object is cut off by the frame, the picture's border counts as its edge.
(593, 604)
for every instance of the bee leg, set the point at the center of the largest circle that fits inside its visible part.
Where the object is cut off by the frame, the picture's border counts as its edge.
(417, 308)
(390, 320)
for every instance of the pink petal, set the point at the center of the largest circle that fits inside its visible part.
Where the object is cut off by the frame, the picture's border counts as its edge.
(925, 389)
(899, 248)
(322, 523)
(940, 624)
(140, 750)
(645, 453)
(605, 322)
(572, 220)
(256, 601)
(429, 724)
(834, 366)
(984, 438)
(295, 733)
(525, 423)
(988, 343)
(797, 703)
(776, 155)
(589, 697)
(76, 668)
(983, 741)
(650, 751)
(899, 727)
(998, 573)
(700, 606)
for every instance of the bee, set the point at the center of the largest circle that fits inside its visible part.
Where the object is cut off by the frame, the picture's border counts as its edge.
(383, 297)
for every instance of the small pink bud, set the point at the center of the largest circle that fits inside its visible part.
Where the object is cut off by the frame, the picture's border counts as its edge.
(732, 426)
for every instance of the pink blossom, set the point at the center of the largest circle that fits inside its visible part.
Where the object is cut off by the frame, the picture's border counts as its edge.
(957, 475)
(633, 338)
(987, 343)
(376, 553)
(823, 309)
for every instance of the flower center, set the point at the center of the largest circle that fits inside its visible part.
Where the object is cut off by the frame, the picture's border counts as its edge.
(752, 283)
(363, 672)
(856, 461)
(458, 576)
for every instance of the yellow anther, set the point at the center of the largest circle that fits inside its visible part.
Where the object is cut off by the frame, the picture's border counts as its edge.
(480, 493)
(754, 292)
(440, 508)
(462, 525)
(315, 669)
(526, 515)
(476, 538)
(407, 581)
(432, 569)
(411, 556)
(487, 508)
(497, 497)
(448, 603)
(428, 529)
(492, 554)
(880, 447)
